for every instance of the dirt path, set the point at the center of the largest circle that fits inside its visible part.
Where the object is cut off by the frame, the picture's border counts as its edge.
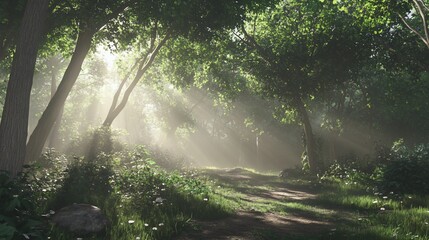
(271, 209)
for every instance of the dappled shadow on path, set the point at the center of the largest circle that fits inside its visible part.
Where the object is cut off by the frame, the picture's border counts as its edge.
(277, 213)
(250, 225)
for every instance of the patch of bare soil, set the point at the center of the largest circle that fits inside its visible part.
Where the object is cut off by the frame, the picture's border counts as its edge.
(246, 225)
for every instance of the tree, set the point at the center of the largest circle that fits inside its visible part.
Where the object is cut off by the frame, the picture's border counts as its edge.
(420, 15)
(296, 50)
(91, 16)
(197, 20)
(11, 12)
(14, 122)
(142, 64)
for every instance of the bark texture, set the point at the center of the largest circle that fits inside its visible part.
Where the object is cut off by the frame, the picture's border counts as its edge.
(14, 123)
(41, 132)
(310, 143)
(54, 140)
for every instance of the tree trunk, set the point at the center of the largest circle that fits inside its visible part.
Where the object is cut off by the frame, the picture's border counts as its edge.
(41, 132)
(116, 109)
(310, 143)
(14, 122)
(54, 136)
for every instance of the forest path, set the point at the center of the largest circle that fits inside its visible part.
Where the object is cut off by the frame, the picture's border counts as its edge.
(268, 208)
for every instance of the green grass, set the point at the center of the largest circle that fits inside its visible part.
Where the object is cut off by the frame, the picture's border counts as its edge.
(141, 201)
(357, 212)
(127, 195)
(376, 216)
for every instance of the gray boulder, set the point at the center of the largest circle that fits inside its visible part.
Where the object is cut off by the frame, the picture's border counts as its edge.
(81, 219)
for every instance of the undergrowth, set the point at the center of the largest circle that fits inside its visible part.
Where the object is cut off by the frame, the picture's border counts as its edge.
(141, 200)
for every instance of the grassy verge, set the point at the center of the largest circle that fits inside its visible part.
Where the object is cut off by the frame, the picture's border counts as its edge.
(354, 209)
(375, 215)
(143, 201)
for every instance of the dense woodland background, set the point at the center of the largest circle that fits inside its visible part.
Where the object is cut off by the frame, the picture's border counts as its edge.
(270, 85)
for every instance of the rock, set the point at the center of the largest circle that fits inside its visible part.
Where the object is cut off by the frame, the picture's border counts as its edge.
(81, 219)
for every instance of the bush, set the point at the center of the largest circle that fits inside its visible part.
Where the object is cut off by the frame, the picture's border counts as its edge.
(85, 182)
(350, 172)
(407, 169)
(94, 142)
(163, 159)
(18, 219)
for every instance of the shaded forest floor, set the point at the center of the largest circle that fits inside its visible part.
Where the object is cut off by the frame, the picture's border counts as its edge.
(143, 201)
(296, 208)
(267, 208)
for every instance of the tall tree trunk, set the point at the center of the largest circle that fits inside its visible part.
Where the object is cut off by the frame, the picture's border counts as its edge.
(14, 122)
(310, 143)
(116, 108)
(54, 135)
(41, 132)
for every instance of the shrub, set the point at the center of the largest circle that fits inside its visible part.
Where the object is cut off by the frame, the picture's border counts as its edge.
(350, 172)
(94, 142)
(18, 219)
(85, 182)
(407, 169)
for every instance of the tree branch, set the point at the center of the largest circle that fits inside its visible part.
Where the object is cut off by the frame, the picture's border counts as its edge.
(423, 17)
(413, 30)
(144, 66)
(121, 86)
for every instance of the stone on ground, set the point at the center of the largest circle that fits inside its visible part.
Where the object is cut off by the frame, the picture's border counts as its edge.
(81, 219)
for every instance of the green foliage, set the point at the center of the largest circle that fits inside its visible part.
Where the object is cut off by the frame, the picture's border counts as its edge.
(168, 161)
(407, 169)
(18, 218)
(94, 142)
(136, 195)
(85, 182)
(401, 170)
(350, 172)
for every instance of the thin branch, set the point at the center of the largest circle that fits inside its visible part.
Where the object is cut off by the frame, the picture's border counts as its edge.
(142, 69)
(113, 14)
(424, 5)
(422, 15)
(413, 30)
(121, 86)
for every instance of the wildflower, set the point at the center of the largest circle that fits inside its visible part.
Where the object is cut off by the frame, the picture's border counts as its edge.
(131, 221)
(161, 224)
(146, 225)
(382, 209)
(154, 228)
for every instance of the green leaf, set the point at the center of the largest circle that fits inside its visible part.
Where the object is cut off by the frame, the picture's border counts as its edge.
(6, 232)
(15, 203)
